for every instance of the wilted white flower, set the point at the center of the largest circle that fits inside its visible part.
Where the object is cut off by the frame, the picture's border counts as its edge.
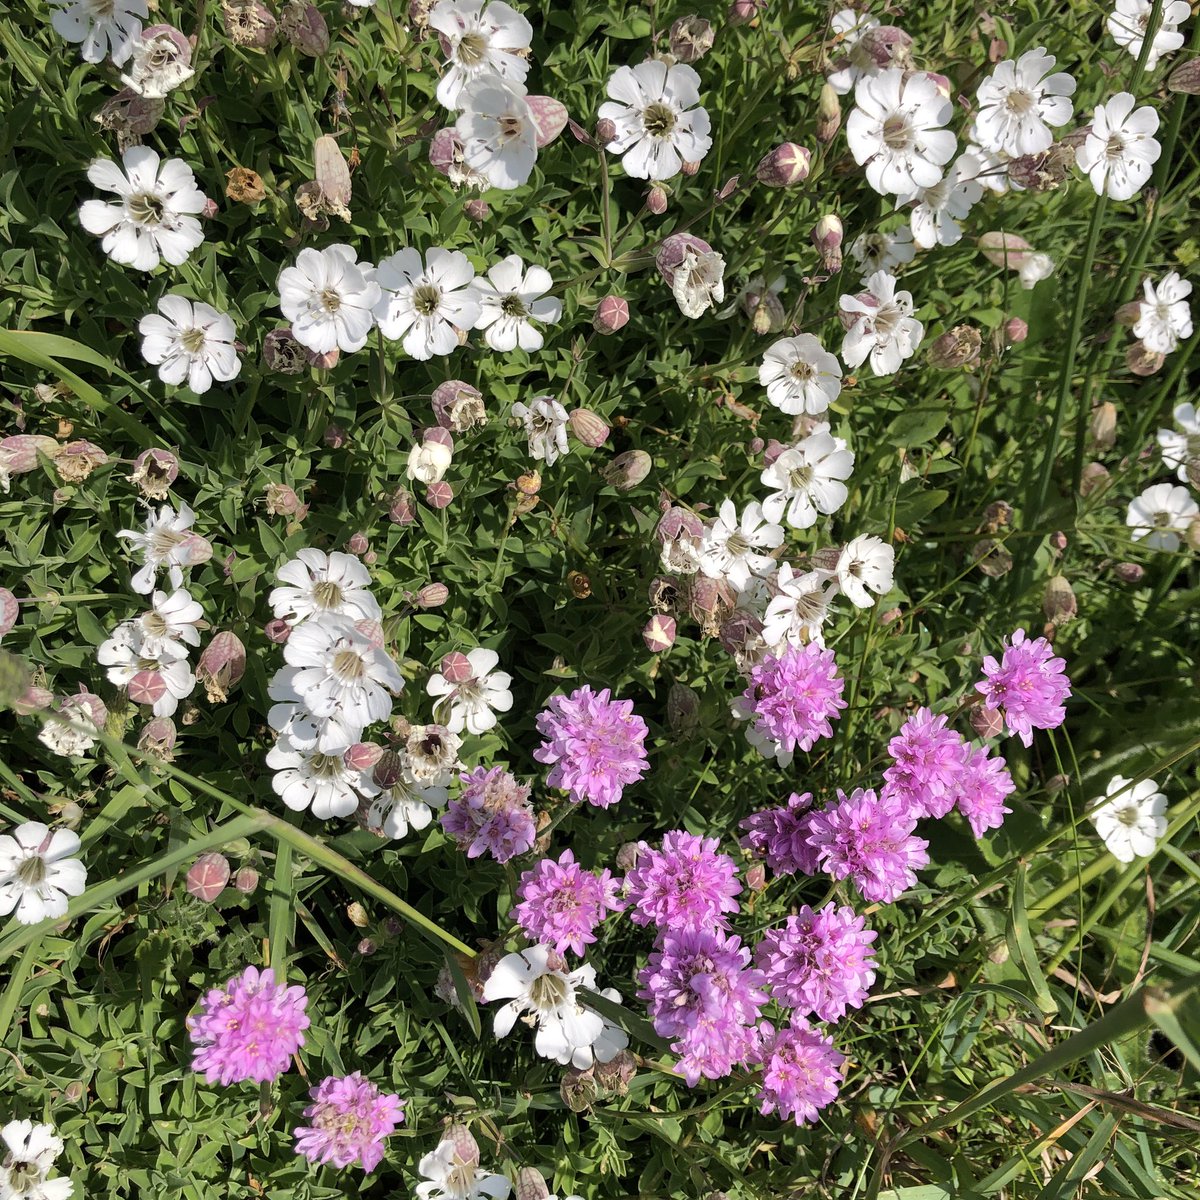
(29, 1154)
(512, 297)
(161, 62)
(1181, 446)
(82, 717)
(432, 754)
(328, 296)
(1019, 102)
(806, 479)
(732, 548)
(473, 702)
(452, 1171)
(1164, 316)
(800, 375)
(101, 28)
(698, 283)
(429, 461)
(1130, 818)
(1160, 515)
(306, 779)
(479, 39)
(883, 327)
(191, 342)
(865, 565)
(1120, 150)
(317, 584)
(167, 541)
(939, 209)
(426, 303)
(1034, 268)
(155, 214)
(660, 125)
(545, 422)
(1128, 21)
(850, 25)
(498, 133)
(882, 251)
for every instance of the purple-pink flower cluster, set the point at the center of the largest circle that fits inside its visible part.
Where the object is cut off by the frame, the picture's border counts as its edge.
(248, 1029)
(779, 836)
(1028, 685)
(819, 962)
(561, 904)
(927, 765)
(348, 1122)
(982, 788)
(597, 745)
(687, 884)
(492, 815)
(792, 699)
(801, 1072)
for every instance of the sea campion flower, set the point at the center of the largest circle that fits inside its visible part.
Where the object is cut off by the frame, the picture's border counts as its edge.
(1161, 515)
(595, 745)
(881, 326)
(491, 815)
(426, 303)
(1128, 21)
(796, 614)
(155, 214)
(1028, 684)
(939, 209)
(865, 565)
(161, 61)
(452, 1171)
(307, 779)
(328, 296)
(498, 132)
(561, 904)
(1164, 316)
(802, 1072)
(39, 871)
(404, 802)
(479, 38)
(476, 693)
(512, 297)
(166, 541)
(882, 250)
(687, 884)
(779, 836)
(658, 119)
(927, 765)
(83, 716)
(848, 25)
(806, 480)
(191, 342)
(819, 962)
(1130, 818)
(28, 1159)
(545, 422)
(732, 548)
(1019, 102)
(1120, 150)
(982, 788)
(869, 839)
(101, 28)
(248, 1029)
(1034, 269)
(1181, 446)
(154, 670)
(791, 700)
(316, 584)
(349, 1121)
(800, 375)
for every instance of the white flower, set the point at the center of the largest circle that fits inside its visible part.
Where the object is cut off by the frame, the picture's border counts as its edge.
(329, 297)
(75, 734)
(155, 215)
(191, 342)
(883, 326)
(160, 64)
(450, 1174)
(479, 39)
(806, 479)
(432, 754)
(498, 133)
(310, 780)
(474, 702)
(429, 461)
(159, 667)
(567, 1031)
(698, 282)
(167, 541)
(1034, 268)
(317, 584)
(850, 26)
(29, 1154)
(1165, 317)
(796, 614)
(1119, 151)
(1127, 24)
(660, 125)
(800, 375)
(407, 804)
(1160, 514)
(545, 422)
(939, 209)
(38, 871)
(1019, 102)
(171, 619)
(865, 565)
(896, 130)
(880, 251)
(1179, 447)
(103, 28)
(1130, 820)
(731, 547)
(426, 303)
(993, 167)
(512, 297)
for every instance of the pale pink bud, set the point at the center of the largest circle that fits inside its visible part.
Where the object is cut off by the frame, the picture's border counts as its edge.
(827, 237)
(207, 876)
(402, 510)
(456, 667)
(742, 12)
(477, 210)
(362, 756)
(1058, 540)
(829, 114)
(439, 495)
(606, 131)
(689, 168)
(1128, 572)
(436, 435)
(549, 118)
(531, 1185)
(357, 544)
(659, 633)
(210, 209)
(222, 665)
(277, 630)
(20, 451)
(147, 687)
(986, 722)
(281, 500)
(627, 470)
(785, 166)
(9, 611)
(772, 452)
(756, 877)
(283, 354)
(656, 199)
(246, 881)
(445, 149)
(153, 473)
(589, 428)
(1004, 249)
(1095, 476)
(335, 437)
(612, 313)
(432, 595)
(756, 445)
(1015, 331)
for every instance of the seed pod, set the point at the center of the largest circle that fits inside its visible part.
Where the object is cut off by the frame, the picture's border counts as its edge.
(1185, 78)
(589, 428)
(785, 166)
(683, 709)
(207, 876)
(829, 115)
(1128, 572)
(627, 470)
(578, 1089)
(357, 915)
(659, 633)
(221, 666)
(691, 39)
(1059, 602)
(991, 558)
(827, 237)
(956, 348)
(616, 1075)
(612, 313)
(153, 473)
(1103, 427)
(458, 406)
(986, 722)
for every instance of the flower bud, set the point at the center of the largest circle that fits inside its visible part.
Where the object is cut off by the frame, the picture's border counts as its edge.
(439, 495)
(742, 12)
(1058, 602)
(659, 633)
(612, 313)
(606, 131)
(827, 237)
(302, 24)
(829, 115)
(986, 722)
(1103, 426)
(221, 666)
(957, 347)
(1093, 479)
(153, 472)
(1004, 249)
(146, 687)
(1128, 572)
(281, 500)
(1142, 361)
(656, 199)
(756, 877)
(1185, 78)
(432, 595)
(283, 354)
(277, 630)
(772, 451)
(628, 855)
(249, 23)
(456, 667)
(458, 406)
(785, 166)
(627, 470)
(402, 511)
(157, 738)
(691, 39)
(362, 756)
(246, 881)
(207, 876)
(9, 611)
(690, 168)
(589, 428)
(531, 1185)
(1015, 331)
(549, 118)
(75, 461)
(477, 210)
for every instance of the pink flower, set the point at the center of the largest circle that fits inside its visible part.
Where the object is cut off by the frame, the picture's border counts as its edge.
(928, 760)
(984, 784)
(349, 1121)
(562, 904)
(686, 885)
(802, 1072)
(1028, 684)
(779, 836)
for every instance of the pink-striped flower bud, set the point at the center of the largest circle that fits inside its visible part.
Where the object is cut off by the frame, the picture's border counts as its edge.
(277, 630)
(657, 199)
(1015, 331)
(690, 168)
(456, 667)
(986, 722)
(477, 210)
(402, 510)
(357, 544)
(606, 131)
(549, 118)
(432, 595)
(19, 452)
(659, 633)
(589, 428)
(362, 756)
(1185, 78)
(207, 876)
(439, 495)
(246, 881)
(153, 473)
(827, 236)
(221, 666)
(612, 314)
(9, 611)
(437, 436)
(1128, 572)
(742, 12)
(146, 687)
(785, 166)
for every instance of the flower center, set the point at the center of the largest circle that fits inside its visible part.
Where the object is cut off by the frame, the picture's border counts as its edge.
(1115, 147)
(327, 594)
(348, 666)
(886, 320)
(460, 1180)
(101, 8)
(145, 208)
(736, 544)
(548, 991)
(325, 766)
(896, 132)
(1019, 102)
(513, 306)
(1128, 816)
(658, 120)
(802, 371)
(511, 127)
(32, 871)
(427, 299)
(1161, 519)
(800, 478)
(192, 340)
(472, 47)
(24, 1178)
(155, 624)
(330, 300)
(163, 541)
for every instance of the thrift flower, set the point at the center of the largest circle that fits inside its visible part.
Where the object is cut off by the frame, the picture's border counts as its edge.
(1028, 684)
(927, 765)
(492, 815)
(687, 884)
(39, 871)
(191, 342)
(802, 1072)
(1130, 818)
(561, 904)
(349, 1122)
(779, 836)
(983, 786)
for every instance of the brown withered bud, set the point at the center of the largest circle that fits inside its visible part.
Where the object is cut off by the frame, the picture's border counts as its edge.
(153, 473)
(130, 116)
(1142, 361)
(578, 1089)
(283, 354)
(691, 39)
(829, 115)
(1185, 78)
(616, 1075)
(1128, 572)
(986, 722)
(281, 500)
(590, 429)
(249, 23)
(612, 313)
(956, 348)
(1043, 172)
(1103, 425)
(659, 633)
(885, 46)
(244, 186)
(1094, 478)
(221, 666)
(991, 558)
(357, 915)
(75, 461)
(1058, 602)
(663, 593)
(785, 166)
(304, 27)
(627, 470)
(580, 585)
(738, 630)
(997, 515)
(207, 876)
(157, 738)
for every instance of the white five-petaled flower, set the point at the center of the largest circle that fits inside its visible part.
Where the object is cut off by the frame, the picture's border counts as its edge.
(732, 547)
(939, 209)
(166, 541)
(795, 615)
(102, 28)
(316, 584)
(426, 303)
(536, 983)
(1160, 515)
(38, 871)
(1034, 268)
(882, 250)
(153, 668)
(1128, 21)
(189, 342)
(171, 618)
(850, 61)
(473, 702)
(28, 1158)
(329, 297)
(896, 129)
(1164, 317)
(308, 779)
(154, 215)
(660, 124)
(407, 804)
(1019, 102)
(1130, 818)
(882, 326)
(1181, 446)
(479, 39)
(865, 565)
(512, 297)
(452, 1172)
(800, 375)
(1120, 150)
(545, 422)
(498, 132)
(806, 479)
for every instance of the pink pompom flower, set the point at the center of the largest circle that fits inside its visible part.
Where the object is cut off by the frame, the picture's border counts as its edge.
(349, 1121)
(1028, 684)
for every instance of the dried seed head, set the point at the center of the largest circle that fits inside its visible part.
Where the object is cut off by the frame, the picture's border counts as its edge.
(304, 27)
(1058, 602)
(956, 348)
(627, 470)
(221, 666)
(153, 472)
(244, 186)
(691, 39)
